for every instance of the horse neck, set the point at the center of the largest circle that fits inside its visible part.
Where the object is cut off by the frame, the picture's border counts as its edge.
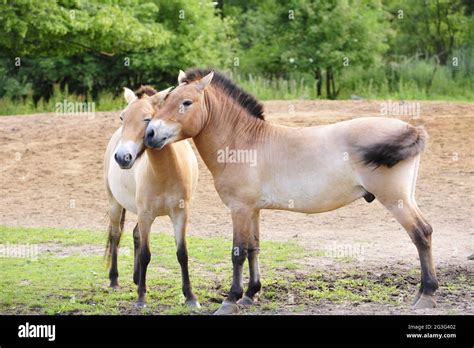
(228, 124)
(160, 160)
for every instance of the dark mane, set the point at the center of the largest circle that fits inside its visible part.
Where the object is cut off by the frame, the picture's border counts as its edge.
(246, 100)
(148, 90)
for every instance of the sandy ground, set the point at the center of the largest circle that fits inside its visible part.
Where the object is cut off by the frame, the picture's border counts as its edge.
(51, 175)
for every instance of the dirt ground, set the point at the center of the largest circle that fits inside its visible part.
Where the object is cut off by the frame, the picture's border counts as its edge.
(51, 175)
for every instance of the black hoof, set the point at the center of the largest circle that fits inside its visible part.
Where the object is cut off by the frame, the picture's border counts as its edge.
(425, 301)
(245, 301)
(192, 303)
(140, 304)
(227, 308)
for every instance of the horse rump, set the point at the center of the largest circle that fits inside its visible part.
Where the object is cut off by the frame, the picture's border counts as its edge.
(410, 142)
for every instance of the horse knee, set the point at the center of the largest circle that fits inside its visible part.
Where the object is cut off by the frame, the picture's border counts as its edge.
(422, 234)
(136, 237)
(114, 238)
(145, 256)
(239, 254)
(182, 255)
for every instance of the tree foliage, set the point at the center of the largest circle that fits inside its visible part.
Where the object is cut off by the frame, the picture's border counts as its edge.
(92, 46)
(67, 27)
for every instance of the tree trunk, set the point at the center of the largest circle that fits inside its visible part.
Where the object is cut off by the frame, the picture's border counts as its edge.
(319, 82)
(220, 7)
(328, 82)
(333, 86)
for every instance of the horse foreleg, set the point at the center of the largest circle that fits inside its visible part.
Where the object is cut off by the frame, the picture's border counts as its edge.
(241, 221)
(145, 220)
(254, 285)
(180, 221)
(136, 248)
(116, 222)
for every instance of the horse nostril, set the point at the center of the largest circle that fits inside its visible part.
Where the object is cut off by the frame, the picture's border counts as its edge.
(150, 134)
(163, 139)
(116, 157)
(128, 157)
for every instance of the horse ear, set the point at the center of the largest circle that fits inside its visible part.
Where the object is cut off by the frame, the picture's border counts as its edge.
(205, 81)
(159, 98)
(129, 95)
(181, 76)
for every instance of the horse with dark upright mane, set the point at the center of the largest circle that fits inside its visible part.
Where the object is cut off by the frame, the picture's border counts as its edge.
(309, 169)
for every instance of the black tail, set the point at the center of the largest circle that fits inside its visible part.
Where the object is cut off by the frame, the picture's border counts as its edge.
(409, 143)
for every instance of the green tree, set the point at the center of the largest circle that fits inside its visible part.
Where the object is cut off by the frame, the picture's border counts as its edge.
(92, 46)
(314, 37)
(66, 27)
(431, 28)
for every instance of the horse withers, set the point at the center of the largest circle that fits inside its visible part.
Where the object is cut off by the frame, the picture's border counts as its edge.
(307, 169)
(149, 183)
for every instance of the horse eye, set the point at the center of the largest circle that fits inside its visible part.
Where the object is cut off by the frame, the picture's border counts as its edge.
(121, 118)
(187, 103)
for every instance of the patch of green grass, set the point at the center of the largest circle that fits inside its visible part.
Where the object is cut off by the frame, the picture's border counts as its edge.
(21, 235)
(270, 306)
(450, 287)
(77, 282)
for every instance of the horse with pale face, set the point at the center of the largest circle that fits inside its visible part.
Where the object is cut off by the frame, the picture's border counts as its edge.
(308, 170)
(149, 183)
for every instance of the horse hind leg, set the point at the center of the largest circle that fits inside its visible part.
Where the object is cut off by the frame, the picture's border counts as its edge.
(145, 220)
(420, 231)
(116, 223)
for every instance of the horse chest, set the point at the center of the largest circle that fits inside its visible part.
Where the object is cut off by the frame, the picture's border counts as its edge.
(123, 186)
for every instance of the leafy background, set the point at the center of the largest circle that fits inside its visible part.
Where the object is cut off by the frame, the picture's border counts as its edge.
(87, 50)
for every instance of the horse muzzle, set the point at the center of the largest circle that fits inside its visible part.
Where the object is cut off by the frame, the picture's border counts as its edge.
(124, 160)
(156, 139)
(126, 154)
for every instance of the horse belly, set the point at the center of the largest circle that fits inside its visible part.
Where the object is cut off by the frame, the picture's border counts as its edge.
(312, 191)
(122, 184)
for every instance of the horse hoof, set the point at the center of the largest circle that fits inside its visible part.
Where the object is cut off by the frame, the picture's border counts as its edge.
(227, 308)
(114, 284)
(192, 303)
(140, 304)
(417, 297)
(245, 301)
(425, 301)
